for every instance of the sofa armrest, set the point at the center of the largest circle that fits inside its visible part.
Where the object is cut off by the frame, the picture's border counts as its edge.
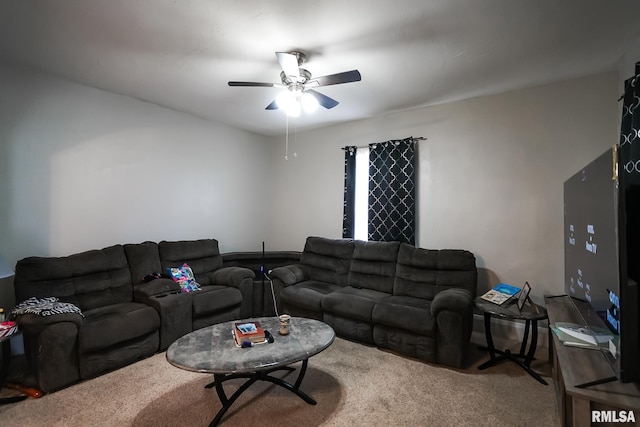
(282, 277)
(240, 278)
(453, 299)
(289, 274)
(33, 324)
(231, 276)
(453, 311)
(51, 348)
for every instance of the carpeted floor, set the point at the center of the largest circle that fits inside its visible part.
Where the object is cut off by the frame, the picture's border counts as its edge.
(354, 384)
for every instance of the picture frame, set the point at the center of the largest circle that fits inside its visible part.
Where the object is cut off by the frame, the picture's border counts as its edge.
(524, 295)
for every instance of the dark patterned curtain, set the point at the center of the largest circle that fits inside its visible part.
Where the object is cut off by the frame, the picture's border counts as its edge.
(629, 155)
(349, 192)
(630, 129)
(392, 191)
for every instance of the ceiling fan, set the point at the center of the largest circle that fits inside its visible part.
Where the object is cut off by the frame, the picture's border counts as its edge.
(300, 85)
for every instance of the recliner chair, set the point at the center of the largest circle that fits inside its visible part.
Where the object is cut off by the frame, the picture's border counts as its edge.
(62, 349)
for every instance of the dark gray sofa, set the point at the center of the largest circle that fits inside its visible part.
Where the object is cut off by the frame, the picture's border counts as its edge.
(414, 301)
(125, 319)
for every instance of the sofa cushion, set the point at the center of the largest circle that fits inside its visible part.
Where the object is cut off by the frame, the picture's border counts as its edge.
(308, 294)
(203, 256)
(211, 299)
(327, 260)
(110, 325)
(373, 265)
(422, 273)
(352, 303)
(143, 259)
(408, 313)
(89, 279)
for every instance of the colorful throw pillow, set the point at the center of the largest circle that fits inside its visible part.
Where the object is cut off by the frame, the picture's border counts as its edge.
(183, 276)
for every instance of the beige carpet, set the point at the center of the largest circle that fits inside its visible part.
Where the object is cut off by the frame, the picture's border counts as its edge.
(354, 384)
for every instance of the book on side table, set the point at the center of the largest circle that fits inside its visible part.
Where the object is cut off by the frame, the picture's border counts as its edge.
(500, 293)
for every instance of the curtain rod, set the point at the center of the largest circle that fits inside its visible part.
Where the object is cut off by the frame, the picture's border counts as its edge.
(417, 138)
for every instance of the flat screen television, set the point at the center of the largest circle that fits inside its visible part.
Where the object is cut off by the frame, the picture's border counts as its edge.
(601, 223)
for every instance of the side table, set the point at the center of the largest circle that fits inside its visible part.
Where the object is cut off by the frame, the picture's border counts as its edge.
(530, 313)
(4, 368)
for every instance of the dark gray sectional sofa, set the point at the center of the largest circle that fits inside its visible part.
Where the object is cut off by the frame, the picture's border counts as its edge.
(415, 301)
(124, 319)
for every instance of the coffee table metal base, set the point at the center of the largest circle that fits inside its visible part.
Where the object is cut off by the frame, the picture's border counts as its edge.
(253, 377)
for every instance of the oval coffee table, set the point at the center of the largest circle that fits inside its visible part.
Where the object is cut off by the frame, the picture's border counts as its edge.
(212, 350)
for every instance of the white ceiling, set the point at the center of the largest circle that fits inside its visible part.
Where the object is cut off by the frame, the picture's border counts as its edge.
(411, 53)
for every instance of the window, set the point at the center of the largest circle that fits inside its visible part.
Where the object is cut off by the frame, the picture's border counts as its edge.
(361, 214)
(379, 192)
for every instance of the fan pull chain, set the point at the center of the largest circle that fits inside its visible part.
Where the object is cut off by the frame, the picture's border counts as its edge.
(286, 140)
(295, 138)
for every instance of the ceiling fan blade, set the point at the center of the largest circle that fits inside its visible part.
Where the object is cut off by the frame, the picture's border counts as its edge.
(323, 99)
(254, 84)
(272, 106)
(288, 63)
(335, 79)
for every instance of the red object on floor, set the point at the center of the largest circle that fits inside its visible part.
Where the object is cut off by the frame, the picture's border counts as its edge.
(29, 391)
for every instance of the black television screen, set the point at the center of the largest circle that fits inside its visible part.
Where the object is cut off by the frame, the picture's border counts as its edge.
(591, 237)
(598, 243)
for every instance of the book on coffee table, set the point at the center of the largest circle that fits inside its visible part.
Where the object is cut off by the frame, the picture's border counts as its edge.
(248, 331)
(500, 293)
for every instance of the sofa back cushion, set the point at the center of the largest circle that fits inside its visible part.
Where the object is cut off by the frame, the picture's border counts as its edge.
(91, 279)
(422, 273)
(143, 259)
(203, 256)
(373, 265)
(327, 260)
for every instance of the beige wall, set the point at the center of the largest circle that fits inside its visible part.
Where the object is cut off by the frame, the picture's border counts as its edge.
(490, 175)
(81, 168)
(626, 65)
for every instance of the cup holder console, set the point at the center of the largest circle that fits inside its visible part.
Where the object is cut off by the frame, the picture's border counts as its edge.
(167, 294)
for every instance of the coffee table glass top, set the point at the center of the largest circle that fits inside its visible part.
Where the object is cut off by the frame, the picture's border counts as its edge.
(213, 350)
(509, 310)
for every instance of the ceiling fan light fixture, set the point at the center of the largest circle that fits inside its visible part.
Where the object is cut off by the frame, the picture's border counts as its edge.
(309, 102)
(293, 110)
(288, 101)
(300, 93)
(284, 99)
